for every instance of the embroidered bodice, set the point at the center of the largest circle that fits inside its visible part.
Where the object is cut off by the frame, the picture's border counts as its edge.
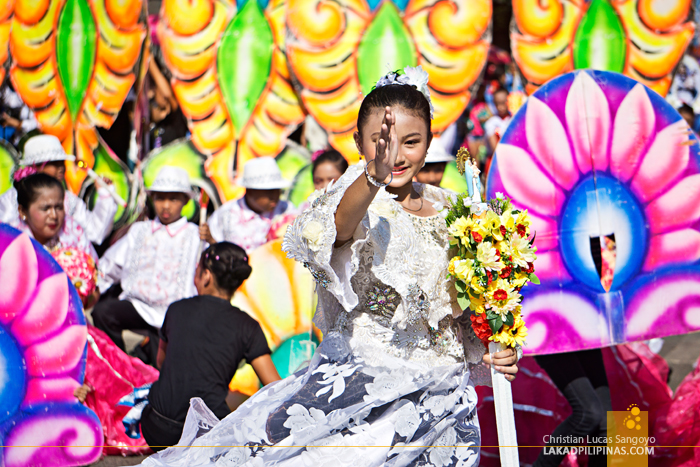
(386, 290)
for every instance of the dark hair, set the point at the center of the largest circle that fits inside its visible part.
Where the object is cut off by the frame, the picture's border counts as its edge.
(332, 156)
(29, 186)
(228, 263)
(391, 95)
(500, 90)
(687, 109)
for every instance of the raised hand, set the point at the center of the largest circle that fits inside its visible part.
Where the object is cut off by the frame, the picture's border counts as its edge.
(387, 148)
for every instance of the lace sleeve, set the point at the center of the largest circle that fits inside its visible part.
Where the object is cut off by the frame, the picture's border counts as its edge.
(311, 238)
(474, 350)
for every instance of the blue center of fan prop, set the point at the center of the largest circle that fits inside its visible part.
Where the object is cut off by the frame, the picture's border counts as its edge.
(12, 376)
(590, 216)
(400, 4)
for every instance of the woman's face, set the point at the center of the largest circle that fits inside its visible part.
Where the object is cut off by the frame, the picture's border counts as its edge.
(46, 215)
(413, 141)
(324, 174)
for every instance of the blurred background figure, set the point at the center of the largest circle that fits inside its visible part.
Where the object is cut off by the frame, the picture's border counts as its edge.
(435, 163)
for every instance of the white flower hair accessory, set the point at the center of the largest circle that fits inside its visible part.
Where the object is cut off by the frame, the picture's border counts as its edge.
(413, 76)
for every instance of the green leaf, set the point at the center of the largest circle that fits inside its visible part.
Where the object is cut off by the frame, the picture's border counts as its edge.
(534, 279)
(490, 314)
(495, 324)
(509, 319)
(386, 46)
(600, 42)
(76, 46)
(463, 301)
(460, 286)
(244, 62)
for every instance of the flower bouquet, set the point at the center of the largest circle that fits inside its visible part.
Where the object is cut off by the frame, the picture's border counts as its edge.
(494, 260)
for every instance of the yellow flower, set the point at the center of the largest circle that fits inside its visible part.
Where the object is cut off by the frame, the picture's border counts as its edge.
(477, 304)
(518, 332)
(523, 218)
(507, 221)
(523, 253)
(521, 279)
(464, 270)
(503, 337)
(451, 266)
(502, 297)
(486, 255)
(479, 232)
(461, 227)
(476, 286)
(504, 248)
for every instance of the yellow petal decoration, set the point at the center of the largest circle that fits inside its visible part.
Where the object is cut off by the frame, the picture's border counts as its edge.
(283, 314)
(656, 33)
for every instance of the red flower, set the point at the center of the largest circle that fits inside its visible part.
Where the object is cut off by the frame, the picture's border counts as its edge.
(530, 268)
(489, 277)
(505, 272)
(500, 294)
(477, 237)
(503, 230)
(481, 328)
(521, 230)
(498, 253)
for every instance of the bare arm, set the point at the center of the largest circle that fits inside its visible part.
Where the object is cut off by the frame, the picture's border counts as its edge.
(265, 369)
(360, 194)
(162, 349)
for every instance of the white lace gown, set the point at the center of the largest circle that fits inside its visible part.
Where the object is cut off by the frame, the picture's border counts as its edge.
(391, 384)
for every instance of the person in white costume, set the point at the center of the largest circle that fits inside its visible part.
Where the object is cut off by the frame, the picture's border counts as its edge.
(247, 221)
(155, 263)
(44, 153)
(392, 382)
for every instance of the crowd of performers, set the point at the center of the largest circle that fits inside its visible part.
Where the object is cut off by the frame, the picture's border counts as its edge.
(400, 376)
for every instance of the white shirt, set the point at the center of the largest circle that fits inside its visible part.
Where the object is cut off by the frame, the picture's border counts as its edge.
(235, 222)
(495, 125)
(155, 264)
(96, 223)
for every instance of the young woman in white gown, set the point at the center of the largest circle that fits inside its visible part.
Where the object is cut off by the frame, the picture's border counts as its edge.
(392, 383)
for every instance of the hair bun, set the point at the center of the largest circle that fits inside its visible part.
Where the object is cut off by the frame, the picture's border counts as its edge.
(241, 271)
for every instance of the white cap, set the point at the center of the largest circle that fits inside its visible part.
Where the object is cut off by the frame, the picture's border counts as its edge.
(43, 148)
(436, 153)
(262, 173)
(172, 180)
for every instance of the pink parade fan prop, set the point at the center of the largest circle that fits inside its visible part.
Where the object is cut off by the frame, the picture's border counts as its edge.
(42, 340)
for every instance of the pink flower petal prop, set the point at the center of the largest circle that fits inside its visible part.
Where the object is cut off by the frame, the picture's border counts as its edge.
(43, 390)
(549, 267)
(18, 284)
(547, 233)
(669, 307)
(588, 120)
(46, 313)
(666, 159)
(58, 354)
(634, 126)
(549, 144)
(553, 328)
(524, 181)
(78, 437)
(678, 247)
(678, 207)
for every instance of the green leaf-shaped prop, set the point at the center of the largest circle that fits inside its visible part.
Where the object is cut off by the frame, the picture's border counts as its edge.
(8, 160)
(600, 41)
(244, 62)
(109, 166)
(385, 46)
(181, 153)
(76, 46)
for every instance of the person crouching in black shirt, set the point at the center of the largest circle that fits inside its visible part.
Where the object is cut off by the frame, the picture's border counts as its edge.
(202, 342)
